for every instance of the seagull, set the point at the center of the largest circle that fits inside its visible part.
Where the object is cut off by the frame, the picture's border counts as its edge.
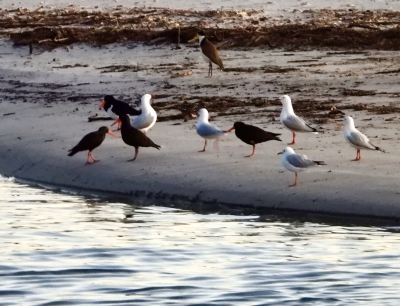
(252, 135)
(206, 129)
(297, 162)
(147, 118)
(133, 137)
(208, 51)
(357, 139)
(292, 122)
(90, 142)
(116, 108)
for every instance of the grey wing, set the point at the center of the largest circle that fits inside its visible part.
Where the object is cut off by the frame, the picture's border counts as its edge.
(360, 140)
(300, 161)
(208, 130)
(297, 124)
(142, 122)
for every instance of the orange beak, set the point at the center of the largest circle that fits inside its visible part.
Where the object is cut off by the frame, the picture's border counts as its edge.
(230, 130)
(102, 104)
(112, 134)
(116, 121)
(277, 99)
(152, 96)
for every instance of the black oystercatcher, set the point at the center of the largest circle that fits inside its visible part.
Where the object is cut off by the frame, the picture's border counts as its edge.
(133, 137)
(116, 108)
(252, 135)
(208, 52)
(90, 142)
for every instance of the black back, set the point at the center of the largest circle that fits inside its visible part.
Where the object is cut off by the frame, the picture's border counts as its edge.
(119, 107)
(252, 135)
(90, 141)
(133, 137)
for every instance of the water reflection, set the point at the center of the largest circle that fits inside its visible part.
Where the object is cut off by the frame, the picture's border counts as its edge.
(64, 249)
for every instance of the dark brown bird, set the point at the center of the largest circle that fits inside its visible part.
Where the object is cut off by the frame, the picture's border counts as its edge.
(116, 108)
(208, 52)
(252, 135)
(90, 142)
(133, 137)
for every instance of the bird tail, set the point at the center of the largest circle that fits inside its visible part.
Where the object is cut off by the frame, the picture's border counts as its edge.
(156, 146)
(276, 136)
(379, 149)
(319, 162)
(72, 152)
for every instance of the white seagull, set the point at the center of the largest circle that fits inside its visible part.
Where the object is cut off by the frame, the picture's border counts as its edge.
(292, 122)
(357, 139)
(147, 118)
(206, 129)
(297, 162)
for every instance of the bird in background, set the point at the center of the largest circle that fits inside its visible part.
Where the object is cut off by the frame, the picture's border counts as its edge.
(297, 162)
(208, 52)
(116, 108)
(252, 135)
(147, 118)
(133, 137)
(357, 139)
(90, 142)
(291, 121)
(207, 130)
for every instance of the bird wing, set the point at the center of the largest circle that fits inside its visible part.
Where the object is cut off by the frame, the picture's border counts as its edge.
(297, 124)
(299, 161)
(256, 134)
(208, 130)
(143, 121)
(211, 52)
(358, 139)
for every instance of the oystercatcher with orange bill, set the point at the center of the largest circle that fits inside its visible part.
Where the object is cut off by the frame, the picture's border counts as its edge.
(252, 135)
(133, 137)
(116, 108)
(90, 142)
(208, 52)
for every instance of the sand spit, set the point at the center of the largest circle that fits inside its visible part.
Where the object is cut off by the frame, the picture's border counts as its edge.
(49, 95)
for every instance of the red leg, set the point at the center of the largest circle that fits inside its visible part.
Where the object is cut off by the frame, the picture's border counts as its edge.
(252, 153)
(94, 160)
(358, 156)
(295, 180)
(293, 140)
(136, 154)
(87, 160)
(205, 144)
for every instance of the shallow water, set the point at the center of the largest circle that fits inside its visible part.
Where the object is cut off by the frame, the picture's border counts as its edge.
(63, 249)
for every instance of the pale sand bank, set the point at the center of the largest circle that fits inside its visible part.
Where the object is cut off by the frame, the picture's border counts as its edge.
(34, 141)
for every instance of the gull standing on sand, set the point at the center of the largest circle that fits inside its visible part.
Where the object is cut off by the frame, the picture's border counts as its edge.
(90, 142)
(292, 122)
(297, 162)
(357, 139)
(252, 135)
(207, 130)
(208, 52)
(147, 118)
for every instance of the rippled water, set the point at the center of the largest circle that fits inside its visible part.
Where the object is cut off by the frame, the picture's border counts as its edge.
(59, 249)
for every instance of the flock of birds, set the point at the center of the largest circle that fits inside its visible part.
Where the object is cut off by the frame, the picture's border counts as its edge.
(133, 132)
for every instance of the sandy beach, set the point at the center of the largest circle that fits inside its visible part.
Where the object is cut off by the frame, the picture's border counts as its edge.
(48, 96)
